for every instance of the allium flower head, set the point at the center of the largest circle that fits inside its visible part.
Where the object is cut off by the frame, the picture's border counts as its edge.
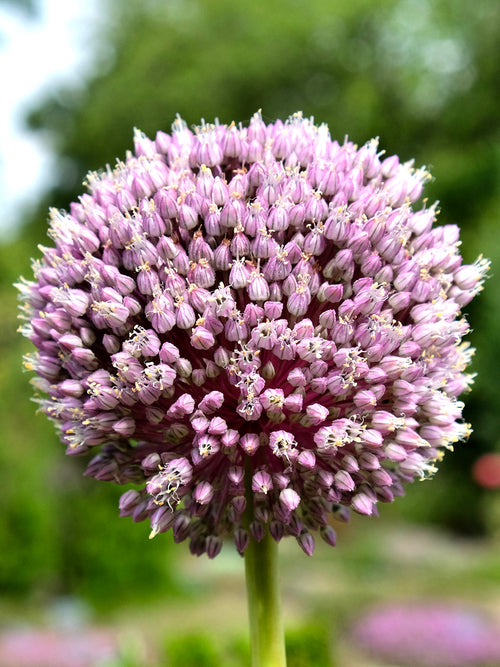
(255, 326)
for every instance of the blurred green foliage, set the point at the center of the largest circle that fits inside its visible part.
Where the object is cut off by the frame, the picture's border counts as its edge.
(421, 74)
(196, 650)
(305, 646)
(308, 645)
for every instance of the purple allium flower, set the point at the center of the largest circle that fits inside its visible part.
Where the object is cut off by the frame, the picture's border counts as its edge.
(252, 316)
(428, 634)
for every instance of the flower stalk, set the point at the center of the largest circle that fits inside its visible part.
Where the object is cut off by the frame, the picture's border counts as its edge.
(267, 639)
(264, 603)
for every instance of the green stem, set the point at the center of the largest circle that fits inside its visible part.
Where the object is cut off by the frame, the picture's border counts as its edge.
(267, 639)
(264, 604)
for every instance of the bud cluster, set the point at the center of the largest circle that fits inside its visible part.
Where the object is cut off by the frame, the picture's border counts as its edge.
(255, 326)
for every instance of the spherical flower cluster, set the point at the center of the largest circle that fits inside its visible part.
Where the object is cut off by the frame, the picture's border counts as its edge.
(255, 326)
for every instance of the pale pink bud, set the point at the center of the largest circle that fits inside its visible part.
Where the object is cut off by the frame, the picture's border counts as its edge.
(262, 482)
(249, 443)
(211, 402)
(289, 499)
(203, 493)
(344, 481)
(307, 459)
(317, 413)
(362, 504)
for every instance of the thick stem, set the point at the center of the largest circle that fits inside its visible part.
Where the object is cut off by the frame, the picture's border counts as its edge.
(267, 638)
(264, 604)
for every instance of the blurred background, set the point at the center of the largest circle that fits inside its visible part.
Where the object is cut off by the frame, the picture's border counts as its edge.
(424, 76)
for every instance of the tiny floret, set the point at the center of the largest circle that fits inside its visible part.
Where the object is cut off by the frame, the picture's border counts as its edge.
(258, 327)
